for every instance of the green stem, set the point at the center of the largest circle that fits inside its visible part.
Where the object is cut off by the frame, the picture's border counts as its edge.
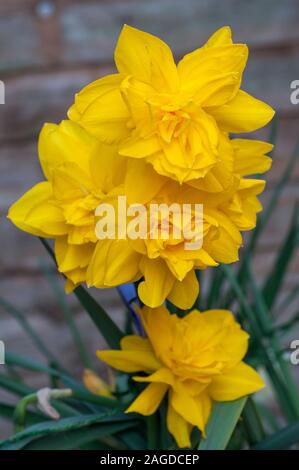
(152, 431)
(69, 318)
(33, 398)
(252, 423)
(20, 411)
(274, 375)
(265, 319)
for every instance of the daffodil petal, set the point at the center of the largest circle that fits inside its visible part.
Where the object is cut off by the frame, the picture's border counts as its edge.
(34, 212)
(234, 344)
(221, 37)
(135, 343)
(130, 361)
(244, 113)
(146, 58)
(107, 167)
(70, 257)
(251, 186)
(162, 375)
(139, 147)
(101, 110)
(66, 142)
(142, 183)
(114, 262)
(250, 156)
(240, 381)
(184, 293)
(178, 427)
(186, 406)
(158, 282)
(213, 74)
(224, 249)
(158, 326)
(149, 400)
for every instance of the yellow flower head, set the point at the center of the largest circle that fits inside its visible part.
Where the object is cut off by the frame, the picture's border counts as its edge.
(171, 115)
(81, 173)
(196, 360)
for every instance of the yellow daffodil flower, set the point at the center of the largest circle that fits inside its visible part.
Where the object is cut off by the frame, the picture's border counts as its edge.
(81, 173)
(171, 115)
(196, 360)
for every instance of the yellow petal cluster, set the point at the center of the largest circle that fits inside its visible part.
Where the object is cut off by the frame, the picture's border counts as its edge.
(82, 172)
(156, 133)
(172, 116)
(196, 360)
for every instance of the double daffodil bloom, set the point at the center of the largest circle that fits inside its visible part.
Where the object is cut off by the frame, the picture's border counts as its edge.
(196, 360)
(82, 173)
(79, 172)
(171, 115)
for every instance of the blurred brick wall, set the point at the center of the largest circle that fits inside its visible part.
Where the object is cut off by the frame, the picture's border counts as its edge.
(50, 49)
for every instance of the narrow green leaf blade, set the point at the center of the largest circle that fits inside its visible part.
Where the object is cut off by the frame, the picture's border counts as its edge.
(63, 425)
(68, 315)
(101, 319)
(7, 412)
(14, 386)
(285, 254)
(221, 424)
(75, 439)
(79, 390)
(279, 187)
(281, 440)
(28, 329)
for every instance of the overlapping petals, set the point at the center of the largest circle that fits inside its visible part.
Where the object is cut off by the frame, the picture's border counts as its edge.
(155, 133)
(81, 173)
(171, 115)
(158, 134)
(196, 360)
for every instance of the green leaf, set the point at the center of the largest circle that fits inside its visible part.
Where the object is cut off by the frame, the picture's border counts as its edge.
(221, 424)
(284, 256)
(281, 440)
(290, 297)
(133, 439)
(268, 417)
(79, 390)
(267, 327)
(261, 224)
(14, 386)
(7, 412)
(274, 129)
(33, 335)
(288, 325)
(79, 437)
(48, 428)
(68, 315)
(252, 423)
(101, 319)
(216, 286)
(251, 315)
(279, 187)
(152, 431)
